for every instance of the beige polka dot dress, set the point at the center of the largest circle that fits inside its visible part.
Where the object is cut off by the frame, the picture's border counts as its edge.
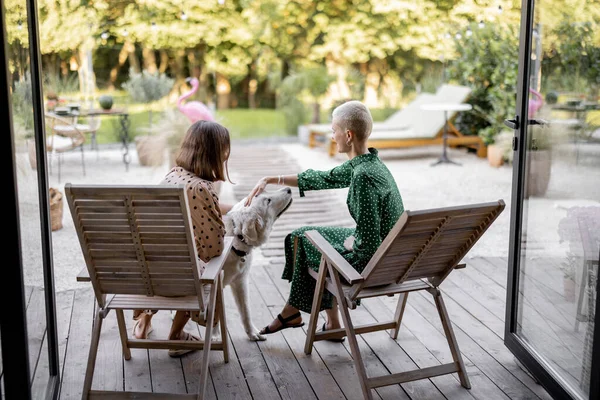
(207, 221)
(375, 205)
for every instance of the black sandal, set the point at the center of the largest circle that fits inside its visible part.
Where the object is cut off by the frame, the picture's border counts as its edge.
(336, 340)
(284, 324)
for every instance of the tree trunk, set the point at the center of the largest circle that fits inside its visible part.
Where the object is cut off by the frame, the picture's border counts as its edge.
(372, 85)
(133, 60)
(252, 84)
(223, 92)
(120, 61)
(340, 88)
(316, 118)
(149, 60)
(164, 61)
(285, 69)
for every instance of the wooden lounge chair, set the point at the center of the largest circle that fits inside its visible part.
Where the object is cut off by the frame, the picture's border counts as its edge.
(420, 251)
(140, 253)
(412, 126)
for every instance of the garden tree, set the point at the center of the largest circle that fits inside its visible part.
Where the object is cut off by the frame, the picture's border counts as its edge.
(573, 61)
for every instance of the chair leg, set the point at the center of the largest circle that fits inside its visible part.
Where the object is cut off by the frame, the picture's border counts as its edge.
(331, 148)
(582, 286)
(223, 320)
(398, 315)
(207, 341)
(316, 306)
(449, 332)
(59, 162)
(355, 350)
(123, 334)
(82, 160)
(89, 372)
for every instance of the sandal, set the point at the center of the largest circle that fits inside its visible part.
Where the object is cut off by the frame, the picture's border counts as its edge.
(149, 329)
(186, 336)
(336, 340)
(284, 324)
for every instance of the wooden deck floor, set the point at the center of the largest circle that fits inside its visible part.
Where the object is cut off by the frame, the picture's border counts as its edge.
(278, 367)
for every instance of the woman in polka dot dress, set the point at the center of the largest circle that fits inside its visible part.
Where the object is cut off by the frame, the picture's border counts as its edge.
(202, 161)
(374, 203)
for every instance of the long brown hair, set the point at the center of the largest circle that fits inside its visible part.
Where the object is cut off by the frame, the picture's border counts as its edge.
(204, 151)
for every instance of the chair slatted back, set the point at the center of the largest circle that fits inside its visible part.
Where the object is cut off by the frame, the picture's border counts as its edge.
(136, 239)
(428, 244)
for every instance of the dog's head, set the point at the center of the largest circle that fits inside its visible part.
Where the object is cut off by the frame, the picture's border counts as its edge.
(252, 225)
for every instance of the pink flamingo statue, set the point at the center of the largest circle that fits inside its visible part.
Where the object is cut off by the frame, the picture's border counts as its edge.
(194, 110)
(535, 103)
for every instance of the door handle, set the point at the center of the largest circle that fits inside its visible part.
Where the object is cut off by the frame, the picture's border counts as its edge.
(514, 123)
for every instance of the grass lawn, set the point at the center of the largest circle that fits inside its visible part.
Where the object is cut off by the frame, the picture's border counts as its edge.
(242, 123)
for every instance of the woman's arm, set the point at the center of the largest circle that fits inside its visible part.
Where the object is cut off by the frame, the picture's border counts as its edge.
(225, 208)
(284, 180)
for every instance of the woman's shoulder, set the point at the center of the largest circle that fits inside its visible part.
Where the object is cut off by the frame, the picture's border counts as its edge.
(179, 175)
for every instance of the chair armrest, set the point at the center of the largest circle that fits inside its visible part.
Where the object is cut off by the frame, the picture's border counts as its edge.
(83, 275)
(335, 258)
(215, 265)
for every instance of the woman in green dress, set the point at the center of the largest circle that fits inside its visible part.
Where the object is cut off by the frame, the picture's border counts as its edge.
(374, 203)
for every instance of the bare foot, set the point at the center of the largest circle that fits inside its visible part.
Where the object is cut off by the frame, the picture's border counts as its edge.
(142, 327)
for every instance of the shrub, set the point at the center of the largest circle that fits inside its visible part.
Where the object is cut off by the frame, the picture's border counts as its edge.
(486, 63)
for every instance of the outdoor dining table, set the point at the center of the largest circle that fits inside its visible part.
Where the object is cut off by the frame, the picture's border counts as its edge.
(124, 123)
(445, 107)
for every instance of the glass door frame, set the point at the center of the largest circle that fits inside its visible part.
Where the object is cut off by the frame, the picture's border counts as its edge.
(527, 355)
(13, 325)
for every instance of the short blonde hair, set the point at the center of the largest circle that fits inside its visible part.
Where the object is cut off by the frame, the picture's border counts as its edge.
(205, 150)
(356, 117)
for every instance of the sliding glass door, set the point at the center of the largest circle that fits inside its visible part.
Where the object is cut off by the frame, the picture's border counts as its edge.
(30, 367)
(555, 231)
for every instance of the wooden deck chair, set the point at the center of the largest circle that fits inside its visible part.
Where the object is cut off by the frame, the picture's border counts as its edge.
(140, 253)
(418, 254)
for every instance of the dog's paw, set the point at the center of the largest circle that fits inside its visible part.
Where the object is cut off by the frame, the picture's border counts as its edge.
(255, 336)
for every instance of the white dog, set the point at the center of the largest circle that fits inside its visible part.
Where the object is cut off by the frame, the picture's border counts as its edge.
(250, 227)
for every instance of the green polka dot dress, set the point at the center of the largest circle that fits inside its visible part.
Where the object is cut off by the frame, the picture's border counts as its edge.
(375, 205)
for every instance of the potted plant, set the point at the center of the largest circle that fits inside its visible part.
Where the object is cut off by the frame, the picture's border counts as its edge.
(146, 87)
(500, 149)
(539, 161)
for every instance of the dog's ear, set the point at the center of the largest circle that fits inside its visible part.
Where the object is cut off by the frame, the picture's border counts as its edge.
(252, 227)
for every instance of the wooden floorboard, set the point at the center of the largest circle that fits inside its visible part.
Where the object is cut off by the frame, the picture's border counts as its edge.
(78, 344)
(279, 369)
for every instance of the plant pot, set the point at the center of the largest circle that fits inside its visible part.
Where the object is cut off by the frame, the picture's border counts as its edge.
(151, 150)
(495, 155)
(569, 289)
(538, 178)
(56, 209)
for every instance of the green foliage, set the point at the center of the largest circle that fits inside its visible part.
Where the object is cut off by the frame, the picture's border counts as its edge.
(317, 81)
(486, 63)
(55, 85)
(22, 103)
(574, 59)
(146, 87)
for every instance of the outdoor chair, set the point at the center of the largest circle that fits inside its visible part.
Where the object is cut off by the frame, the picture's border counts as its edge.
(412, 126)
(62, 136)
(420, 251)
(140, 253)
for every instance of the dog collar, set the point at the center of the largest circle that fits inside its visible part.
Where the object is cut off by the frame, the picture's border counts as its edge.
(239, 253)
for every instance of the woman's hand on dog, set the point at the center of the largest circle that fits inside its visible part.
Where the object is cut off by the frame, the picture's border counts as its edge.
(258, 189)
